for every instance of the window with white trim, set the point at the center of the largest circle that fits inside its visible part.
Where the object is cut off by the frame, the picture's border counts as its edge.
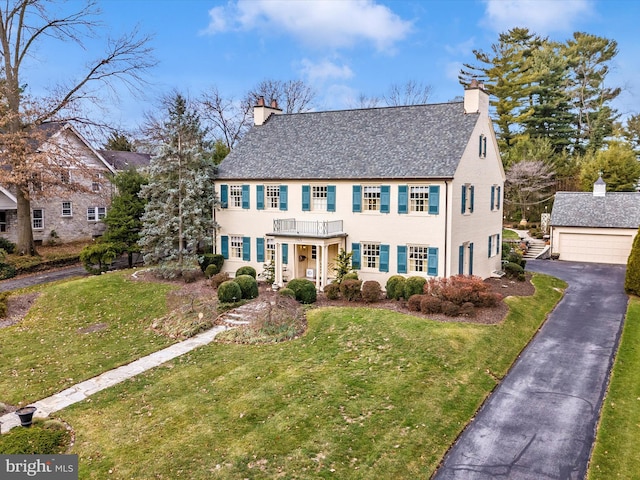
(418, 258)
(65, 176)
(419, 198)
(95, 214)
(67, 211)
(270, 250)
(272, 196)
(371, 255)
(371, 198)
(37, 219)
(235, 196)
(96, 184)
(235, 247)
(494, 245)
(319, 197)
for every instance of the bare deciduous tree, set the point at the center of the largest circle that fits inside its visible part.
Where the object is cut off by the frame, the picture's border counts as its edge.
(293, 96)
(229, 118)
(411, 93)
(527, 182)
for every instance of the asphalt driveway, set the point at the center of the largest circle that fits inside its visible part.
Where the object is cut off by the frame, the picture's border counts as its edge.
(540, 422)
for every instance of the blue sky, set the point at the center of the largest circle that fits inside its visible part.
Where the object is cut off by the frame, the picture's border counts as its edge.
(343, 48)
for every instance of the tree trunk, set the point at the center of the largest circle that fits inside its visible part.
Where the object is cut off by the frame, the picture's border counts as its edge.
(25, 245)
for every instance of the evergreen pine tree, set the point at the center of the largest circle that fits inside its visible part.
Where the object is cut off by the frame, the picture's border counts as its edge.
(632, 278)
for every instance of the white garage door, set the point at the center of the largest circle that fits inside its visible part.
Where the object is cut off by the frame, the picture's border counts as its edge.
(587, 247)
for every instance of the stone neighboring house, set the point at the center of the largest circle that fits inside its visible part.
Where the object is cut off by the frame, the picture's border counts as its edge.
(122, 161)
(73, 210)
(410, 190)
(595, 227)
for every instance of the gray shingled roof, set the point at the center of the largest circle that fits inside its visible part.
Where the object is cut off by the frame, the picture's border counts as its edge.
(417, 141)
(125, 160)
(582, 209)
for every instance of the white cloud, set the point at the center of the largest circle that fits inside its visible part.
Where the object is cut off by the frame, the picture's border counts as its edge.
(452, 70)
(540, 16)
(325, 70)
(462, 48)
(320, 23)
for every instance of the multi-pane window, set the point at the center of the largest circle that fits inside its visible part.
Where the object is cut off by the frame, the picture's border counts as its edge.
(38, 219)
(235, 195)
(96, 184)
(270, 250)
(371, 255)
(371, 198)
(319, 197)
(418, 258)
(235, 247)
(65, 176)
(3, 221)
(419, 198)
(96, 213)
(273, 196)
(314, 252)
(66, 209)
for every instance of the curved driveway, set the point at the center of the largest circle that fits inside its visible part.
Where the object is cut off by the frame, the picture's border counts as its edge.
(540, 421)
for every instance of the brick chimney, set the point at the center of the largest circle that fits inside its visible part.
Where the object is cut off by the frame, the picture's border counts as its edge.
(261, 112)
(476, 98)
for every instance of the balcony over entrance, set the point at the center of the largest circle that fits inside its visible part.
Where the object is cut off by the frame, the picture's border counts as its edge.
(308, 228)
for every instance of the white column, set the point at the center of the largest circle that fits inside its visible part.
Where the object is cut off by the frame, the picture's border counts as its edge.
(318, 280)
(278, 264)
(325, 265)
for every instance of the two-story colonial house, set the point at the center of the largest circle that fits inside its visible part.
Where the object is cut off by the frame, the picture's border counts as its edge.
(410, 190)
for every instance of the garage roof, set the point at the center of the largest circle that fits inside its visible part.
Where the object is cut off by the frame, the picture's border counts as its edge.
(584, 209)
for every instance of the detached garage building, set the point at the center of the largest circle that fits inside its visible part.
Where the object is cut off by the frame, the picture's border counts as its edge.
(596, 227)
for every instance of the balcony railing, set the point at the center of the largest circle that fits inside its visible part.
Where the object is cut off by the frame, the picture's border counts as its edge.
(309, 228)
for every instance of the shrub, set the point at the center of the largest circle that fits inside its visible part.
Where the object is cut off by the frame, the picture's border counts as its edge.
(287, 292)
(462, 288)
(248, 286)
(395, 287)
(190, 274)
(98, 257)
(632, 275)
(430, 304)
(7, 246)
(513, 270)
(269, 273)
(210, 259)
(332, 291)
(39, 439)
(350, 289)
(229, 292)
(450, 309)
(516, 257)
(304, 289)
(371, 291)
(413, 304)
(351, 276)
(211, 270)
(7, 271)
(467, 309)
(218, 279)
(4, 297)
(247, 270)
(414, 286)
(343, 264)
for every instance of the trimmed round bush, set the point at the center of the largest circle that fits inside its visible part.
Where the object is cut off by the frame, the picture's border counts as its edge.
(371, 291)
(332, 291)
(414, 302)
(414, 286)
(450, 309)
(430, 304)
(467, 309)
(513, 270)
(287, 292)
(248, 285)
(304, 289)
(211, 270)
(247, 270)
(350, 276)
(229, 292)
(350, 289)
(210, 259)
(395, 287)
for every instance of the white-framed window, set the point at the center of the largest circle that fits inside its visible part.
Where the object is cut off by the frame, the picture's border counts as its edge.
(419, 198)
(95, 214)
(371, 255)
(496, 193)
(235, 246)
(96, 184)
(371, 198)
(235, 196)
(314, 252)
(272, 196)
(65, 176)
(67, 210)
(494, 245)
(418, 258)
(270, 250)
(319, 197)
(37, 219)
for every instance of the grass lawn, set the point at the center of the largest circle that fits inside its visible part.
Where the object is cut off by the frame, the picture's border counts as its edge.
(77, 330)
(509, 235)
(615, 454)
(364, 394)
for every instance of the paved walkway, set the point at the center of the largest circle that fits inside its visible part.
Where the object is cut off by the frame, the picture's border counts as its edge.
(42, 277)
(540, 421)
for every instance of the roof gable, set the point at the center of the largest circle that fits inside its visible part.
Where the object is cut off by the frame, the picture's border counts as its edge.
(583, 209)
(416, 141)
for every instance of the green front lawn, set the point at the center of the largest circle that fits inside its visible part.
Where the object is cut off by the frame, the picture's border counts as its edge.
(365, 393)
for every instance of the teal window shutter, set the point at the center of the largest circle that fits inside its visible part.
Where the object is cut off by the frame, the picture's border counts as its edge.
(471, 189)
(331, 198)
(434, 199)
(357, 198)
(489, 253)
(403, 199)
(498, 198)
(285, 253)
(245, 197)
(224, 246)
(224, 196)
(464, 199)
(384, 258)
(484, 146)
(306, 198)
(260, 197)
(461, 260)
(385, 199)
(493, 197)
(402, 259)
(432, 261)
(471, 259)
(355, 257)
(480, 145)
(284, 197)
(246, 249)
(260, 249)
